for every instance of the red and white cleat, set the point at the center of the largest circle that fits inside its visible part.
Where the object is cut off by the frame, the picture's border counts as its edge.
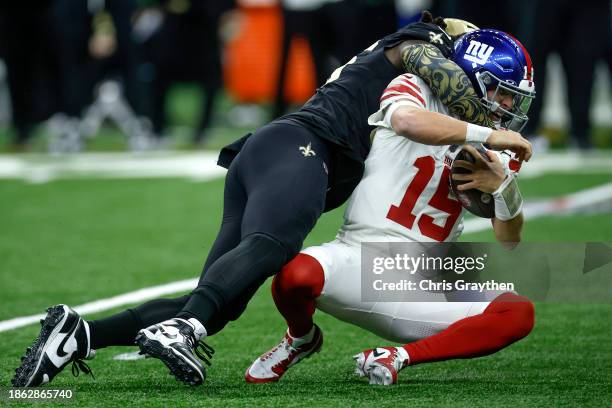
(270, 366)
(381, 364)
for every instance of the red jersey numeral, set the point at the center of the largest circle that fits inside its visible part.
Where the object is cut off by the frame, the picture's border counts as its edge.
(403, 215)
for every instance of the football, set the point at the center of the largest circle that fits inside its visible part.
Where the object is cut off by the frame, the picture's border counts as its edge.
(475, 201)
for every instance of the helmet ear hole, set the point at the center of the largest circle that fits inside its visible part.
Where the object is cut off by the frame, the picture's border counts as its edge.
(487, 80)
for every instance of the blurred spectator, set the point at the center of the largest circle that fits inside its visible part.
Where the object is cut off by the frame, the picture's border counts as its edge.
(72, 32)
(381, 19)
(329, 27)
(185, 47)
(114, 25)
(502, 15)
(26, 47)
(56, 51)
(334, 30)
(609, 53)
(579, 32)
(93, 44)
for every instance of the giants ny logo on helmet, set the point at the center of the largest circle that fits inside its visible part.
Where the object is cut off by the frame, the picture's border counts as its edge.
(497, 63)
(478, 53)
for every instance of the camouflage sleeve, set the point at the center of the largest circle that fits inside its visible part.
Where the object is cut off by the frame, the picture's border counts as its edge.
(447, 81)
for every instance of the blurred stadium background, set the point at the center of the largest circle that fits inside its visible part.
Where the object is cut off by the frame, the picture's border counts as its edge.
(178, 74)
(111, 115)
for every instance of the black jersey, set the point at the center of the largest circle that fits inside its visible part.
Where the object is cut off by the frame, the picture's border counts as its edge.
(338, 112)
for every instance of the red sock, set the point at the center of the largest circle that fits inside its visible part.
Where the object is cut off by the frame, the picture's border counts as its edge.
(507, 319)
(295, 289)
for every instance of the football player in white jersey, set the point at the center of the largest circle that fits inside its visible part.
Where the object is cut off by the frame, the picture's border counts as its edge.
(404, 196)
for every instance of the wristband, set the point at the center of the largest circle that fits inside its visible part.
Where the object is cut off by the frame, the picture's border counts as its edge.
(477, 134)
(508, 200)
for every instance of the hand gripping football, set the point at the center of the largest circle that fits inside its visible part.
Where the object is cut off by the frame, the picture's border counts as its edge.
(475, 201)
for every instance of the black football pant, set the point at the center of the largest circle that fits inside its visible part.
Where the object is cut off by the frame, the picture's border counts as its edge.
(274, 193)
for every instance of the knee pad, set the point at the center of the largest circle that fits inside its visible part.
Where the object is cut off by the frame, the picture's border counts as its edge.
(264, 249)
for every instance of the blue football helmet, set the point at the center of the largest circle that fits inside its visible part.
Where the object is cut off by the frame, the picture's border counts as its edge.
(494, 60)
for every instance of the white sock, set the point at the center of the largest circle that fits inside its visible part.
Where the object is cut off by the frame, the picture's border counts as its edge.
(198, 328)
(91, 353)
(297, 341)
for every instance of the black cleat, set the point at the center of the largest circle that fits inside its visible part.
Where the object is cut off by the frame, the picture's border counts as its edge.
(176, 342)
(63, 338)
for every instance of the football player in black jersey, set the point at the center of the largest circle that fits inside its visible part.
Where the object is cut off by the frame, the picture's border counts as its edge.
(280, 180)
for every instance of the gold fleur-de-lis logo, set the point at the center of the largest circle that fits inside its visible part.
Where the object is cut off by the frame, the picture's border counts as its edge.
(307, 151)
(435, 38)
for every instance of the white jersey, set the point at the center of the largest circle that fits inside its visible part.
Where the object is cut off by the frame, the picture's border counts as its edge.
(404, 194)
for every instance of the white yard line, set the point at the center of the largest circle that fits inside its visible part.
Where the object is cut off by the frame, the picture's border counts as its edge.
(102, 305)
(201, 166)
(567, 162)
(581, 200)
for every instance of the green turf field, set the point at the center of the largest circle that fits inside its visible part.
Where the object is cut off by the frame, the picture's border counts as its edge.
(75, 241)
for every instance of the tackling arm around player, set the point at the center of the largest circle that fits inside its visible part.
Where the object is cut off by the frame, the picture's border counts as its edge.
(413, 142)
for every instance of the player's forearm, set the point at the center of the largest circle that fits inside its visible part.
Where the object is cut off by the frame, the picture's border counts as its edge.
(426, 127)
(508, 232)
(447, 81)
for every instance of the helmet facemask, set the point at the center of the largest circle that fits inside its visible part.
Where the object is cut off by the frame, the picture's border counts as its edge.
(516, 117)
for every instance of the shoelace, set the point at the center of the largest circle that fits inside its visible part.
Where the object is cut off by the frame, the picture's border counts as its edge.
(201, 349)
(289, 348)
(283, 344)
(204, 352)
(79, 365)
